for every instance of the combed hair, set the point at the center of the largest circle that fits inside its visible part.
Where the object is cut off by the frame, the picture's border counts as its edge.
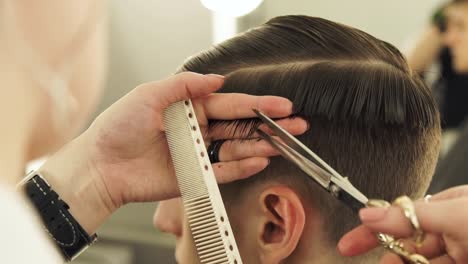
(370, 117)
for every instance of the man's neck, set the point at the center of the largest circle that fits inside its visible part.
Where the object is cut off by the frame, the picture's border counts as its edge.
(315, 247)
(312, 247)
(322, 253)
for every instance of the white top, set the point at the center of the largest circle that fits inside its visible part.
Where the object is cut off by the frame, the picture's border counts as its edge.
(22, 238)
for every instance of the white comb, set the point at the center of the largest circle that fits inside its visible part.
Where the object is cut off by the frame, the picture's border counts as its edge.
(203, 204)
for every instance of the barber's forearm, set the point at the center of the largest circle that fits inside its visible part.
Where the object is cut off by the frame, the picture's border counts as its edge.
(71, 175)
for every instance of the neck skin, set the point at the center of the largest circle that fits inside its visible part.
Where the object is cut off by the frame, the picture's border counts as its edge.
(312, 244)
(313, 248)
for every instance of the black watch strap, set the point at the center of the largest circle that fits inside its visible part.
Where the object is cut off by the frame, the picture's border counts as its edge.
(62, 227)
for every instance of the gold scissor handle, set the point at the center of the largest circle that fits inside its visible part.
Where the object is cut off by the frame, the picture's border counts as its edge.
(394, 245)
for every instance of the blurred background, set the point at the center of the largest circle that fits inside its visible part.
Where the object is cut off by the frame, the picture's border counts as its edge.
(149, 39)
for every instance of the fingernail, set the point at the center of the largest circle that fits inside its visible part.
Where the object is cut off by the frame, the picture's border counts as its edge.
(216, 76)
(342, 247)
(287, 106)
(372, 214)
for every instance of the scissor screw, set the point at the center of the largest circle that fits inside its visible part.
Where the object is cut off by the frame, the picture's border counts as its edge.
(335, 190)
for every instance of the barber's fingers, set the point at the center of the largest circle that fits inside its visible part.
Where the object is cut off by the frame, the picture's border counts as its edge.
(455, 192)
(433, 218)
(445, 259)
(189, 85)
(295, 126)
(361, 240)
(242, 149)
(180, 87)
(357, 242)
(239, 169)
(391, 258)
(432, 246)
(237, 106)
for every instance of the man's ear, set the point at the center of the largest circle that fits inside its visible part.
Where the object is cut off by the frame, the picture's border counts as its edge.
(282, 223)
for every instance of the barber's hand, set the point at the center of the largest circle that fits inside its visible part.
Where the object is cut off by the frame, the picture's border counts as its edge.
(131, 152)
(443, 219)
(126, 152)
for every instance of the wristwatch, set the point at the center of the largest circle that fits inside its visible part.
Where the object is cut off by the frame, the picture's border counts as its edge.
(70, 238)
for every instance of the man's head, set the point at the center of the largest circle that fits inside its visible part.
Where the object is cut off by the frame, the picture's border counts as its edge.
(456, 36)
(370, 118)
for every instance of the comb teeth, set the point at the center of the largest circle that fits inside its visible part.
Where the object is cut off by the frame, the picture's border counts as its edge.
(204, 227)
(207, 218)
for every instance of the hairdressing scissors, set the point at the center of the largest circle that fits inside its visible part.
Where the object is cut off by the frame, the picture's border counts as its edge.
(338, 186)
(310, 163)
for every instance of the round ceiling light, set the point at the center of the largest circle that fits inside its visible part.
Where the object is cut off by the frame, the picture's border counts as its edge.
(233, 8)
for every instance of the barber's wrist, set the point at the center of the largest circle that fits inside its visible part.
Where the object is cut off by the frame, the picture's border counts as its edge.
(71, 174)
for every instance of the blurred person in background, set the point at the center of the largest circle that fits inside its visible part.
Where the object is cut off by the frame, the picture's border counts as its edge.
(445, 42)
(53, 62)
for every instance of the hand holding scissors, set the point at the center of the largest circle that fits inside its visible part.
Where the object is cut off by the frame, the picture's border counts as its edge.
(338, 186)
(443, 218)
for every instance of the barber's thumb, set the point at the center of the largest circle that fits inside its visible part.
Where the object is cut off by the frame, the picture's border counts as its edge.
(188, 85)
(182, 86)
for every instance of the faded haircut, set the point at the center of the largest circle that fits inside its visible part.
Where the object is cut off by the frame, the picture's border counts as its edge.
(370, 116)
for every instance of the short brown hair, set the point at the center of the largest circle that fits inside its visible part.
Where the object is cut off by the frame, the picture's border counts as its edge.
(370, 116)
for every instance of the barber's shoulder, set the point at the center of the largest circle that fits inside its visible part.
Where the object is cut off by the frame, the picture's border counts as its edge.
(23, 239)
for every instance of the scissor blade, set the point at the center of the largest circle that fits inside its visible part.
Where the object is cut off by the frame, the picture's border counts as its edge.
(294, 143)
(312, 170)
(347, 187)
(310, 158)
(346, 192)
